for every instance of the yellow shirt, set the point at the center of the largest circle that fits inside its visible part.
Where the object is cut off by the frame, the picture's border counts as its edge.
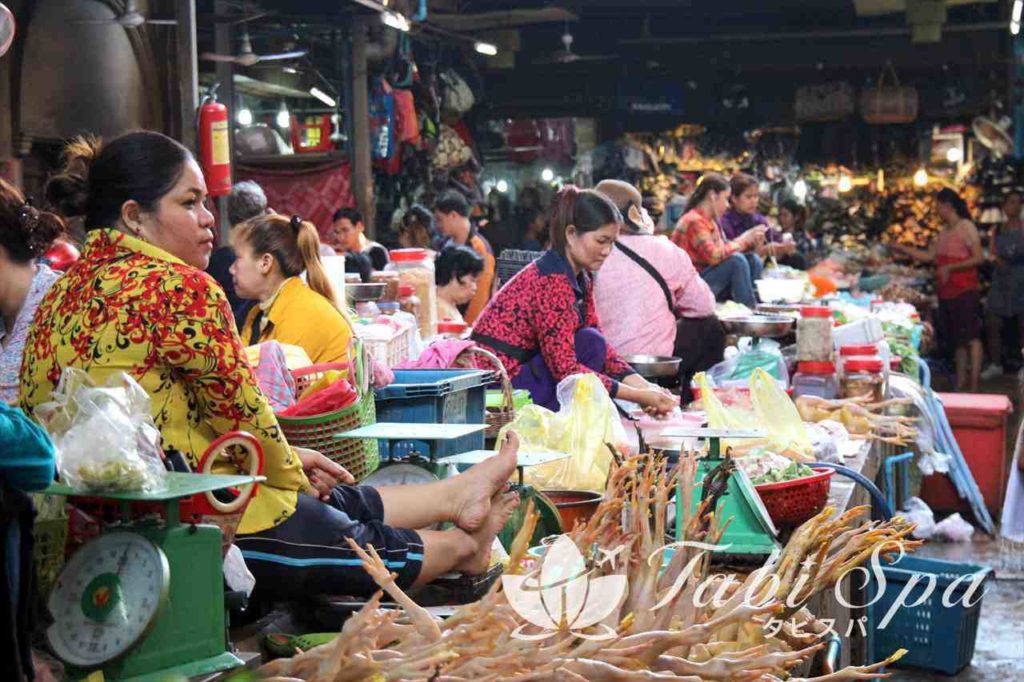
(128, 306)
(299, 316)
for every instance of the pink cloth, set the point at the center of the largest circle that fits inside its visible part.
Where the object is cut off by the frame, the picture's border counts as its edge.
(631, 306)
(438, 355)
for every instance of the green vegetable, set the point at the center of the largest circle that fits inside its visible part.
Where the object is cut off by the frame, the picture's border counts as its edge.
(794, 471)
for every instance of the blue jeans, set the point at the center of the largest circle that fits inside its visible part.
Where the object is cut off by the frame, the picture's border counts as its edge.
(733, 278)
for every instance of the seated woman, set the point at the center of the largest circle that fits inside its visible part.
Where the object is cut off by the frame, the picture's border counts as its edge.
(744, 198)
(271, 252)
(455, 274)
(792, 221)
(721, 263)
(649, 296)
(25, 235)
(543, 323)
(168, 324)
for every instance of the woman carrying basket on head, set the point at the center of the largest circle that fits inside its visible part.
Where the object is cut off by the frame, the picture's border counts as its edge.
(139, 302)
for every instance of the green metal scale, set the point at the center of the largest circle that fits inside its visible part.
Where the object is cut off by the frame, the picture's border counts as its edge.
(144, 601)
(751, 530)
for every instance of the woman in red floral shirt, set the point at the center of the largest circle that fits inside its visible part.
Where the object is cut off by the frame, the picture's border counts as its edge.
(543, 323)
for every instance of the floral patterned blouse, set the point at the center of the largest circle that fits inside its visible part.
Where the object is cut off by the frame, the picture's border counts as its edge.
(539, 311)
(14, 338)
(702, 238)
(128, 306)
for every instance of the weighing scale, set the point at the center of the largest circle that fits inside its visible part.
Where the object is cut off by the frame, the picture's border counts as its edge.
(751, 530)
(144, 600)
(415, 469)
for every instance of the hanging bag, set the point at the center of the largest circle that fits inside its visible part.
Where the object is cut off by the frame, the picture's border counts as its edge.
(825, 102)
(457, 96)
(889, 102)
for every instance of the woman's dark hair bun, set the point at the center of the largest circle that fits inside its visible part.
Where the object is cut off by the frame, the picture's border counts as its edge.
(68, 191)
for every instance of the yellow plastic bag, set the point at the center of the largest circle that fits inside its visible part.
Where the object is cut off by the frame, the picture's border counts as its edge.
(587, 420)
(772, 410)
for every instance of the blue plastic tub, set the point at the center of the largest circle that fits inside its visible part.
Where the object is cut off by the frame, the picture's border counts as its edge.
(937, 637)
(443, 396)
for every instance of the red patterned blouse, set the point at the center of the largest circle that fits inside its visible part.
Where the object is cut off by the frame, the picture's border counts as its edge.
(539, 311)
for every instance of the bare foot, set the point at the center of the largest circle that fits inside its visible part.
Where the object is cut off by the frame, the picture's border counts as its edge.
(502, 506)
(472, 490)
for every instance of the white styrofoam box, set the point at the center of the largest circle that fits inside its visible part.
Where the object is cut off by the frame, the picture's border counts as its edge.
(868, 330)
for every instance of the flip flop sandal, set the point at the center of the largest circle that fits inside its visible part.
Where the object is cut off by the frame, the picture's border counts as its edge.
(280, 645)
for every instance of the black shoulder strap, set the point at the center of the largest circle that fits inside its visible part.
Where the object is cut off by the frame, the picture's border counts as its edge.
(651, 270)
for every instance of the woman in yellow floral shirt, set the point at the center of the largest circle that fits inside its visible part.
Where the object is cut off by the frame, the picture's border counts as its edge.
(138, 301)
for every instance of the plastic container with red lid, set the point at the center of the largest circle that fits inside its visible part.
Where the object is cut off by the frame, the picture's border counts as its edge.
(863, 377)
(817, 379)
(408, 255)
(814, 334)
(406, 290)
(451, 329)
(862, 350)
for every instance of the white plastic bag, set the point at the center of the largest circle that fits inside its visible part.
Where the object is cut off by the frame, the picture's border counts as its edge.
(104, 436)
(954, 529)
(918, 512)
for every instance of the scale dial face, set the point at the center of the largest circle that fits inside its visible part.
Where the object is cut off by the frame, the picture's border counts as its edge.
(106, 598)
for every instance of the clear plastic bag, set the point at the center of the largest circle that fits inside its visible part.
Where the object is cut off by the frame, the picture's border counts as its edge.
(104, 436)
(586, 421)
(918, 512)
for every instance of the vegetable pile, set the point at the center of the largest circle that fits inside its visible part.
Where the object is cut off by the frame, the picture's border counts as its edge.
(658, 629)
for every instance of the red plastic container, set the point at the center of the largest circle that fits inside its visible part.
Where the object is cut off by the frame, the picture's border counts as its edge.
(979, 425)
(790, 503)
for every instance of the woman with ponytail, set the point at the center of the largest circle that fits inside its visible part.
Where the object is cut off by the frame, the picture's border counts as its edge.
(729, 267)
(543, 323)
(138, 301)
(271, 252)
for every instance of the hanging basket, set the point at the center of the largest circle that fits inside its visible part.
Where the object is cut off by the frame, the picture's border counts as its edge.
(888, 102)
(825, 102)
(496, 418)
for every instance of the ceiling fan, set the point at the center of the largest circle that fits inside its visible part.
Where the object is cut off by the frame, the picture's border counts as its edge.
(131, 17)
(246, 56)
(567, 56)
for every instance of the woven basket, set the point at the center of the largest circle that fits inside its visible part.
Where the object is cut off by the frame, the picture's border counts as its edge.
(359, 456)
(496, 419)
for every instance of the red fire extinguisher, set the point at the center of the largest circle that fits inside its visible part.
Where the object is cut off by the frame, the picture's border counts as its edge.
(214, 148)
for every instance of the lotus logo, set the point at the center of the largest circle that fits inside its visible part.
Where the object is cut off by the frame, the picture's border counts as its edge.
(565, 597)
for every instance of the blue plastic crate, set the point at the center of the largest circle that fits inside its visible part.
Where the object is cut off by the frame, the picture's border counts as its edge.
(443, 396)
(937, 637)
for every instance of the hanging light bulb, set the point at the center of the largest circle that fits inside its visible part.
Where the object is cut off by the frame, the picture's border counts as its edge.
(284, 119)
(921, 177)
(244, 117)
(954, 154)
(502, 186)
(845, 183)
(547, 175)
(800, 190)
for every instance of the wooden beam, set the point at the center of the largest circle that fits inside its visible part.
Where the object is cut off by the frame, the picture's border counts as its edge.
(359, 112)
(188, 70)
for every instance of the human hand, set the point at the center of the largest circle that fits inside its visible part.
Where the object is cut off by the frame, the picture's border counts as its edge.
(657, 402)
(323, 474)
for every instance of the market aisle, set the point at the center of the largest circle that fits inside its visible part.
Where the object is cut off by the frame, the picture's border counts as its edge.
(999, 652)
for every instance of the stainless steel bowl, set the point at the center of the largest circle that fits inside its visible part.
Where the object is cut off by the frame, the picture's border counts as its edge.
(761, 326)
(360, 293)
(654, 366)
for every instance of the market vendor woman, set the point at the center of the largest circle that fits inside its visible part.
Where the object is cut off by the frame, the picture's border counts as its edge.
(956, 253)
(543, 323)
(139, 302)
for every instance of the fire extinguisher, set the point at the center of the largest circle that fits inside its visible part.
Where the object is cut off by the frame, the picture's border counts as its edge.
(213, 129)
